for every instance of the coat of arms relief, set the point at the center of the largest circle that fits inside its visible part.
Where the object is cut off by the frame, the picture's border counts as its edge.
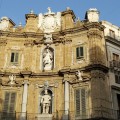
(49, 22)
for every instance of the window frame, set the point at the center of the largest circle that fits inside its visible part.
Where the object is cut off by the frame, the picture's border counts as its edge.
(80, 52)
(117, 79)
(14, 60)
(9, 102)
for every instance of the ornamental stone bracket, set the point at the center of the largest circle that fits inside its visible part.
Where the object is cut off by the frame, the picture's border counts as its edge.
(76, 76)
(47, 85)
(80, 77)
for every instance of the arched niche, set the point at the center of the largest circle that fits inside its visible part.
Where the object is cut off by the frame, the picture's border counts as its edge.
(50, 93)
(48, 58)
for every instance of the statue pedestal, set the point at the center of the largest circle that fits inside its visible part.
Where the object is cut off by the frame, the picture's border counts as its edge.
(44, 116)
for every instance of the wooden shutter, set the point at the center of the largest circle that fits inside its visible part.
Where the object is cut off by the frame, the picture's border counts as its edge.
(81, 100)
(9, 102)
(77, 96)
(12, 103)
(6, 102)
(16, 57)
(79, 52)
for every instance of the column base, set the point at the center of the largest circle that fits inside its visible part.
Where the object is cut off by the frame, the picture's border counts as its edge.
(65, 117)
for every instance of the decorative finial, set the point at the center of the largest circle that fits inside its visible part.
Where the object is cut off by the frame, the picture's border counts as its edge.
(49, 10)
(31, 12)
(68, 8)
(20, 24)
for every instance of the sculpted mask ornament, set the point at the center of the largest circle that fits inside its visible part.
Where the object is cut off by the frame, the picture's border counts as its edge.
(49, 21)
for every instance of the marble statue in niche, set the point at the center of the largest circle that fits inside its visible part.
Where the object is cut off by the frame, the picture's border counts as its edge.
(46, 102)
(48, 59)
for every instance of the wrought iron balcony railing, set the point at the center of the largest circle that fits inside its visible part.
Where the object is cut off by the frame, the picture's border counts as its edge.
(115, 64)
(96, 113)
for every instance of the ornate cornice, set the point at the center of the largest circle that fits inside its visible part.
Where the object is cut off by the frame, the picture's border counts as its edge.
(97, 67)
(112, 40)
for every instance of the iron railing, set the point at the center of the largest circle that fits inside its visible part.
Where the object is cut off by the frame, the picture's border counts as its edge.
(90, 114)
(114, 64)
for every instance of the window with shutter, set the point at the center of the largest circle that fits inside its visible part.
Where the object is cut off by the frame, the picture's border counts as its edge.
(9, 106)
(80, 103)
(80, 52)
(14, 57)
(117, 79)
(9, 102)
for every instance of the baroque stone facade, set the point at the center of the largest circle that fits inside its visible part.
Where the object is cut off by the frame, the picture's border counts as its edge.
(54, 67)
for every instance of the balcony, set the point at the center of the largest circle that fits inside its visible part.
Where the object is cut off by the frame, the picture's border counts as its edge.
(115, 65)
(92, 114)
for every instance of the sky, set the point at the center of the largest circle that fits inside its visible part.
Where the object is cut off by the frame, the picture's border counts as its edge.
(16, 9)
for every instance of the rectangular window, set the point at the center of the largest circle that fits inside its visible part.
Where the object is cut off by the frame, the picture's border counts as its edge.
(80, 52)
(115, 57)
(112, 33)
(117, 79)
(14, 57)
(9, 102)
(9, 106)
(80, 103)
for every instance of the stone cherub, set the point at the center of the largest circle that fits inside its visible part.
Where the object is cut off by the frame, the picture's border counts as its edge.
(79, 75)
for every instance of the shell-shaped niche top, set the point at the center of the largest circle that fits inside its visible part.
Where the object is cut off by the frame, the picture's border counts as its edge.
(50, 21)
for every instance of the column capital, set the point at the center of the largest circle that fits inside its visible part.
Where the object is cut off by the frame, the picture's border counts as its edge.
(26, 74)
(26, 82)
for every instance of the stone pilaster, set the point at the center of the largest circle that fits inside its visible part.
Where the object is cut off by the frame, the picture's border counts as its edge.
(26, 75)
(96, 43)
(66, 97)
(99, 94)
